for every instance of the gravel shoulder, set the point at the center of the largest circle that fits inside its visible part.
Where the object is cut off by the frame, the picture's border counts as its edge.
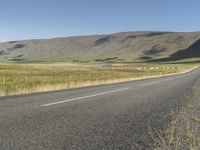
(183, 131)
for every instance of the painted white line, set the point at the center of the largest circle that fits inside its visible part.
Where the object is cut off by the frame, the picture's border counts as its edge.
(149, 83)
(168, 79)
(176, 77)
(84, 97)
(172, 78)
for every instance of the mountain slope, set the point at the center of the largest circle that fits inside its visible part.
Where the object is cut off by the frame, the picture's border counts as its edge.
(192, 52)
(121, 47)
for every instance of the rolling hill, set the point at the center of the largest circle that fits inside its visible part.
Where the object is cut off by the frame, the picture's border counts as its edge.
(117, 47)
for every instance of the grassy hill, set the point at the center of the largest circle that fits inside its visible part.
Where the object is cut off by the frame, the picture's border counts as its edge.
(118, 47)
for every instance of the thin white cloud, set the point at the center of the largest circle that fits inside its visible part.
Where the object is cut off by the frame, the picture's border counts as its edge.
(2, 41)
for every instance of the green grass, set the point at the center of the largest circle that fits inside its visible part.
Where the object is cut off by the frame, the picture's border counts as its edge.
(28, 78)
(185, 61)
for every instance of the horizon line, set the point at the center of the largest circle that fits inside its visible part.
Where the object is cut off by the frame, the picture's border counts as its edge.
(82, 35)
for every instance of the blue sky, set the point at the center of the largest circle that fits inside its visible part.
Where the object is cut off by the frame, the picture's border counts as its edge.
(30, 19)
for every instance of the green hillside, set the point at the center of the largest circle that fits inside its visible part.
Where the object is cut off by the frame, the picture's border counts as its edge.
(118, 47)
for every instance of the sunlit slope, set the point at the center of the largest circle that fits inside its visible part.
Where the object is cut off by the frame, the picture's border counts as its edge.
(118, 47)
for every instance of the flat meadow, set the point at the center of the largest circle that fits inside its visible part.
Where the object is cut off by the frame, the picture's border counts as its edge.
(28, 78)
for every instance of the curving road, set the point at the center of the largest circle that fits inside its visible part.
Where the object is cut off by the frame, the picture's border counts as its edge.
(117, 116)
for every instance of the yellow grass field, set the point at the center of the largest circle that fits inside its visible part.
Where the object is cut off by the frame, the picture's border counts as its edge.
(28, 78)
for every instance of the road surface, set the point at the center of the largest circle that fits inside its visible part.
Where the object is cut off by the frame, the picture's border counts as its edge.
(117, 116)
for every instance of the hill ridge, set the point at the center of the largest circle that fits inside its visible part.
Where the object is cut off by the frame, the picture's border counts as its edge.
(115, 47)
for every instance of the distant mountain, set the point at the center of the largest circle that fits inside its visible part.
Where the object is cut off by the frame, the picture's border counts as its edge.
(118, 47)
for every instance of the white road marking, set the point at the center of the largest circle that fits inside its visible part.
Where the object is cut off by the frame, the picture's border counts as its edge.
(114, 91)
(177, 77)
(172, 78)
(168, 79)
(84, 97)
(149, 83)
(154, 82)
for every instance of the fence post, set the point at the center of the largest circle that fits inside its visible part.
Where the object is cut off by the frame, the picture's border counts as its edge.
(4, 80)
(26, 79)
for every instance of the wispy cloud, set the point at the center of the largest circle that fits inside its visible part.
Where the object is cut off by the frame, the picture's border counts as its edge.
(2, 41)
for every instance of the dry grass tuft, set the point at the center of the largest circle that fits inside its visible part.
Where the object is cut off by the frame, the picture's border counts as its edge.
(183, 132)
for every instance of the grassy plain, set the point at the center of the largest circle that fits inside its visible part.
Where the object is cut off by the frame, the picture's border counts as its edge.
(28, 78)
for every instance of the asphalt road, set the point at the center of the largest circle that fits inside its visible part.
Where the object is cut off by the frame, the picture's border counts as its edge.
(117, 116)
